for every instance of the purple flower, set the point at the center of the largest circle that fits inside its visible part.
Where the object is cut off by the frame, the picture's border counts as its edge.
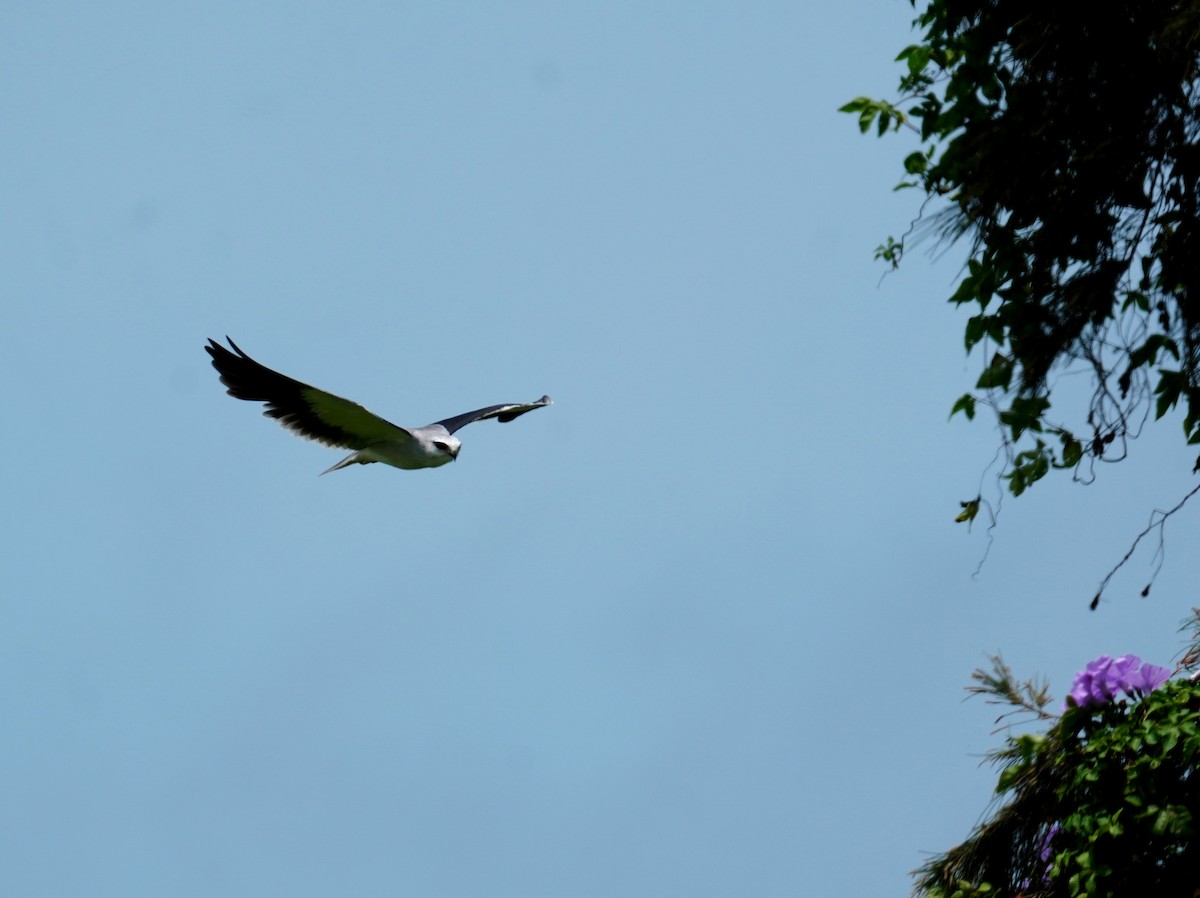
(1045, 849)
(1099, 681)
(1103, 678)
(1045, 846)
(1149, 678)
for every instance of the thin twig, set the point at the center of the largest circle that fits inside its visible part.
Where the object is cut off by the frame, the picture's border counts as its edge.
(1160, 524)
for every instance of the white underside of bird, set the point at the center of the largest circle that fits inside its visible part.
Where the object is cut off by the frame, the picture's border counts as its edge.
(427, 447)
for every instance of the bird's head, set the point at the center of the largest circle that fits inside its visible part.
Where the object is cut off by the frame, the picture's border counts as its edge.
(447, 446)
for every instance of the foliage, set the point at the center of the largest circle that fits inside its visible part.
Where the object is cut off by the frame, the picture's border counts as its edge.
(1105, 803)
(1064, 140)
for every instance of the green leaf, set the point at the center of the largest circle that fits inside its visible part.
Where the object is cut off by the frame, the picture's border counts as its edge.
(1029, 467)
(1024, 414)
(890, 252)
(966, 405)
(965, 292)
(1072, 453)
(1147, 353)
(917, 57)
(1191, 422)
(974, 331)
(1170, 385)
(970, 510)
(997, 375)
(1136, 298)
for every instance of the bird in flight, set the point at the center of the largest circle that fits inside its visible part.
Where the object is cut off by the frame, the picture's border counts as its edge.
(334, 421)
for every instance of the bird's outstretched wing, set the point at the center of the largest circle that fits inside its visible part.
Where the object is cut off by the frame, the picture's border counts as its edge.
(502, 413)
(304, 410)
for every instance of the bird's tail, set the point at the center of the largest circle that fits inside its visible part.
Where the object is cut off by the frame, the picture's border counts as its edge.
(350, 459)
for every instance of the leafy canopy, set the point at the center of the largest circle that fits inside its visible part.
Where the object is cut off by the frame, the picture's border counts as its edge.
(1062, 139)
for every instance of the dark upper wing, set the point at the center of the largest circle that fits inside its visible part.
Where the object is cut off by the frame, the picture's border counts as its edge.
(503, 413)
(302, 409)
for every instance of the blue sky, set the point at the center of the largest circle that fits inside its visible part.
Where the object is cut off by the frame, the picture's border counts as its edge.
(699, 628)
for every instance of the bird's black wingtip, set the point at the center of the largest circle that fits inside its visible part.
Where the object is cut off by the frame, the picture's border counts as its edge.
(216, 350)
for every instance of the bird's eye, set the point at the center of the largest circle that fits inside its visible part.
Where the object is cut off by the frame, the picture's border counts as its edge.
(445, 447)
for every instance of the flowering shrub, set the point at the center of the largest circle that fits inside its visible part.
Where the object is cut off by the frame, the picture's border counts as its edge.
(1105, 803)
